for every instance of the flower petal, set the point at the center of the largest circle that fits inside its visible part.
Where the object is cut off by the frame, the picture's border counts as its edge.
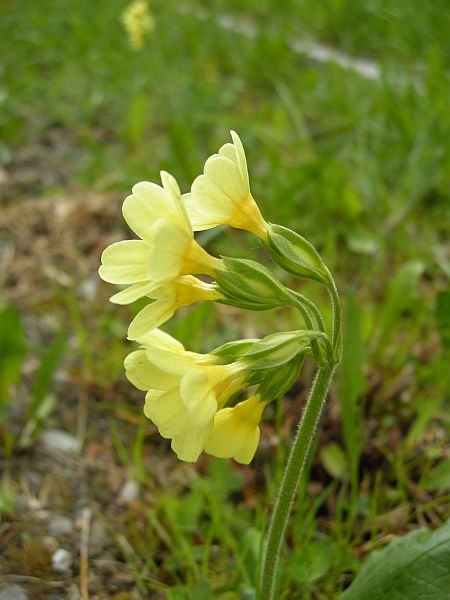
(188, 444)
(170, 244)
(144, 375)
(225, 174)
(166, 411)
(241, 159)
(125, 262)
(150, 317)
(134, 292)
(162, 340)
(147, 203)
(198, 397)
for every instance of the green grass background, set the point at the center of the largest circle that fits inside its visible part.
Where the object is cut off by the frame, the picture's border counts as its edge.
(360, 167)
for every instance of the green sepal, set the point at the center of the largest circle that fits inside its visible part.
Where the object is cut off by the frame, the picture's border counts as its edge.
(278, 349)
(295, 254)
(231, 351)
(247, 284)
(279, 380)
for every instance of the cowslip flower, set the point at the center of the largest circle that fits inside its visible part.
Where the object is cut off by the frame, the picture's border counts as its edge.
(185, 390)
(222, 194)
(235, 431)
(166, 248)
(182, 291)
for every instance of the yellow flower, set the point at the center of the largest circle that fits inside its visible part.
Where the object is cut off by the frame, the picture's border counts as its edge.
(185, 390)
(182, 291)
(236, 431)
(222, 194)
(138, 22)
(167, 248)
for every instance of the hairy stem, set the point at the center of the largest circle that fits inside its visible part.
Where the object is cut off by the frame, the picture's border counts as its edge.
(292, 474)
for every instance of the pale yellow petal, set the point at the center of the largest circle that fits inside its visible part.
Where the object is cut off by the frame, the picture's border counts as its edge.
(228, 151)
(162, 340)
(188, 445)
(147, 203)
(166, 411)
(150, 317)
(170, 243)
(247, 450)
(125, 262)
(134, 292)
(145, 375)
(198, 397)
(171, 186)
(177, 363)
(207, 205)
(225, 174)
(241, 159)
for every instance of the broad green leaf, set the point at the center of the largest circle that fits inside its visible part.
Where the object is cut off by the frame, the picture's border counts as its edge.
(416, 565)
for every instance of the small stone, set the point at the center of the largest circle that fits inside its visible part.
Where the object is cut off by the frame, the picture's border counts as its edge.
(129, 491)
(60, 525)
(61, 560)
(56, 440)
(13, 592)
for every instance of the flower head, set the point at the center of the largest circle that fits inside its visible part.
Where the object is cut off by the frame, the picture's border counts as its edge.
(185, 390)
(222, 194)
(235, 432)
(166, 250)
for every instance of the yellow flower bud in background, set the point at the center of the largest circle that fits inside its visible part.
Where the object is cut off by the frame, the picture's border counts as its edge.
(138, 22)
(235, 432)
(222, 194)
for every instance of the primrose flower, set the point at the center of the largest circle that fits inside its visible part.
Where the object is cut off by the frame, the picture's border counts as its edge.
(138, 22)
(185, 390)
(182, 291)
(167, 248)
(235, 432)
(222, 194)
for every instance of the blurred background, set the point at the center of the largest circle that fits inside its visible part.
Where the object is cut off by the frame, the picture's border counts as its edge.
(343, 109)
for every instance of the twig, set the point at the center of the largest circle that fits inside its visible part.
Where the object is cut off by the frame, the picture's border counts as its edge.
(84, 552)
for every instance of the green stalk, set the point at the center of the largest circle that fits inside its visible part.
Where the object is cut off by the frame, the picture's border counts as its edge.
(292, 474)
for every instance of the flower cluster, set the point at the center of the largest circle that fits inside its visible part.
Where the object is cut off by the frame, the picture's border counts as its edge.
(198, 400)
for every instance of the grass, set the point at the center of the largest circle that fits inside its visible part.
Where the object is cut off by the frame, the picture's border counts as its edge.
(360, 167)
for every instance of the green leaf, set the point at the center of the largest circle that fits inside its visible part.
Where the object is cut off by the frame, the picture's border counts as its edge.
(311, 564)
(47, 369)
(351, 378)
(12, 353)
(438, 479)
(401, 292)
(442, 313)
(334, 460)
(416, 565)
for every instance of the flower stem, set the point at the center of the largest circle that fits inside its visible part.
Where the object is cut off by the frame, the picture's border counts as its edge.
(292, 474)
